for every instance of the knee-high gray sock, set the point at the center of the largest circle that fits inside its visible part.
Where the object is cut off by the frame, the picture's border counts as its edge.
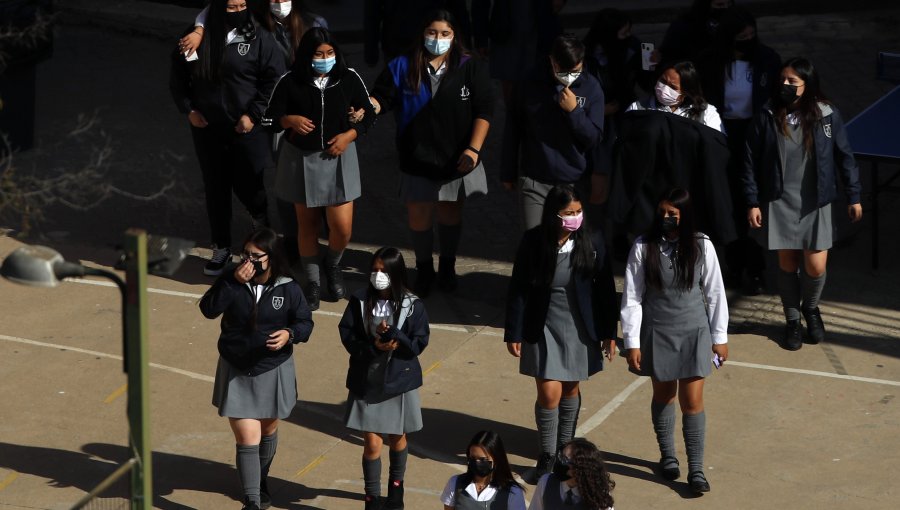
(423, 245)
(568, 419)
(663, 416)
(311, 269)
(248, 470)
(547, 421)
(333, 258)
(372, 476)
(397, 467)
(811, 289)
(267, 447)
(694, 429)
(789, 288)
(449, 236)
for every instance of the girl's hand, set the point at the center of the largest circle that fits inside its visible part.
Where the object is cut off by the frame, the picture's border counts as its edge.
(754, 216)
(609, 348)
(300, 124)
(722, 351)
(244, 272)
(466, 162)
(188, 44)
(855, 212)
(514, 348)
(197, 119)
(567, 100)
(386, 345)
(338, 144)
(356, 116)
(634, 359)
(278, 339)
(375, 104)
(244, 125)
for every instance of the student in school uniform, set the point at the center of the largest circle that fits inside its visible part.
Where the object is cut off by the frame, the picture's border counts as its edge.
(579, 481)
(488, 483)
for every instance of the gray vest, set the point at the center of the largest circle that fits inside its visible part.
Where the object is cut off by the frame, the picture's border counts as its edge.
(552, 499)
(465, 501)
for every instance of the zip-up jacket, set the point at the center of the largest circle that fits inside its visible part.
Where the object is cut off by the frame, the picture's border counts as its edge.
(433, 131)
(249, 70)
(543, 141)
(247, 324)
(327, 108)
(763, 175)
(403, 372)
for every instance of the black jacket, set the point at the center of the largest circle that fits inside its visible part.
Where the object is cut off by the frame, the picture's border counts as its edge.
(763, 175)
(403, 372)
(656, 150)
(527, 304)
(243, 339)
(431, 139)
(250, 70)
(327, 109)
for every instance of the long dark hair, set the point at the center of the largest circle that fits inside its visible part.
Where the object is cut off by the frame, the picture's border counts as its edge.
(269, 243)
(733, 22)
(807, 107)
(687, 251)
(544, 263)
(395, 268)
(590, 473)
(297, 22)
(690, 88)
(419, 57)
(212, 47)
(502, 476)
(303, 57)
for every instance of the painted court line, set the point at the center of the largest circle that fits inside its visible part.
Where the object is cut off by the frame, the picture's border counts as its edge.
(813, 372)
(600, 416)
(116, 394)
(10, 478)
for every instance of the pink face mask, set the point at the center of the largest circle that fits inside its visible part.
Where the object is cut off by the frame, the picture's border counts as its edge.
(571, 223)
(666, 95)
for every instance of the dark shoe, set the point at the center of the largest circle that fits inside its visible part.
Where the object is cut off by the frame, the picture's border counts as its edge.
(793, 338)
(335, 282)
(221, 257)
(814, 326)
(754, 286)
(668, 468)
(248, 505)
(544, 464)
(424, 279)
(265, 499)
(373, 503)
(394, 499)
(447, 274)
(698, 483)
(312, 296)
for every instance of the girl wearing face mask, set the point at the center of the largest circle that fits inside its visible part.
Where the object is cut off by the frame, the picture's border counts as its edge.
(554, 123)
(384, 328)
(488, 483)
(318, 167)
(560, 315)
(674, 321)
(579, 480)
(443, 99)
(263, 314)
(678, 92)
(797, 149)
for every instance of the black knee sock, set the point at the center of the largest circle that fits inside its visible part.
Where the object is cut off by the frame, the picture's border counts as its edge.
(811, 289)
(248, 471)
(267, 447)
(372, 476)
(449, 236)
(397, 467)
(568, 419)
(789, 288)
(694, 429)
(423, 245)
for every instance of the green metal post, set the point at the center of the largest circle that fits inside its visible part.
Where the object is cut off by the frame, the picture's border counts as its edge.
(137, 359)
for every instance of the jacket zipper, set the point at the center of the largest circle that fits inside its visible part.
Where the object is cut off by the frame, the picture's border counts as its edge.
(322, 118)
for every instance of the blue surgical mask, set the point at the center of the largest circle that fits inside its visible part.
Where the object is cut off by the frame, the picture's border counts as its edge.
(437, 47)
(323, 65)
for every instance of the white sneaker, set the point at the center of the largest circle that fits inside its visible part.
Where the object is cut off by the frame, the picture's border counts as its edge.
(220, 258)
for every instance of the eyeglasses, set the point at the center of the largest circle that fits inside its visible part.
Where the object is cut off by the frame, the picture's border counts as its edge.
(253, 257)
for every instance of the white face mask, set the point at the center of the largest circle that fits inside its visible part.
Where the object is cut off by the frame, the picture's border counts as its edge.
(380, 280)
(280, 10)
(568, 79)
(666, 95)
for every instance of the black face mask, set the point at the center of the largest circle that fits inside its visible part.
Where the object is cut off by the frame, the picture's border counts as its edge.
(788, 94)
(561, 471)
(258, 267)
(480, 467)
(237, 19)
(747, 46)
(669, 224)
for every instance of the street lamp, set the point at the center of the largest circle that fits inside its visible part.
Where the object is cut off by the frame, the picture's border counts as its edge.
(44, 267)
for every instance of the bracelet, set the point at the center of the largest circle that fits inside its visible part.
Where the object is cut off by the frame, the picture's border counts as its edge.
(473, 149)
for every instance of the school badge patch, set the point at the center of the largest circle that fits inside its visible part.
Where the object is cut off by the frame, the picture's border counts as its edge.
(827, 129)
(243, 48)
(277, 302)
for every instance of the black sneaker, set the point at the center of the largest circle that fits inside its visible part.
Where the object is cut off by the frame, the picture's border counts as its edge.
(793, 337)
(335, 282)
(312, 296)
(814, 326)
(447, 274)
(424, 279)
(394, 500)
(220, 258)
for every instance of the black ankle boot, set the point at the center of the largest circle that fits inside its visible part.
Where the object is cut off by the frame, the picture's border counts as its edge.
(373, 503)
(394, 499)
(793, 338)
(424, 279)
(447, 274)
(312, 296)
(335, 282)
(814, 325)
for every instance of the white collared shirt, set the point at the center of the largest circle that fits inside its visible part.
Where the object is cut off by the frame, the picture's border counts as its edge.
(448, 496)
(710, 117)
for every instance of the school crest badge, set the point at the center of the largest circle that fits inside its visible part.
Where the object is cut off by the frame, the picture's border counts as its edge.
(827, 129)
(464, 93)
(277, 302)
(580, 100)
(243, 48)
(763, 79)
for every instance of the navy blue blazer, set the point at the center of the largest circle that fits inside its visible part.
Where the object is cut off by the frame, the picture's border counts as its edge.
(527, 304)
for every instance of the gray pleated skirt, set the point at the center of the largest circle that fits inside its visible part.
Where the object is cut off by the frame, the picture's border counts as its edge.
(422, 189)
(397, 415)
(315, 179)
(271, 394)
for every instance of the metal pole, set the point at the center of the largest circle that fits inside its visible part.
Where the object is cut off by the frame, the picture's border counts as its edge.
(137, 356)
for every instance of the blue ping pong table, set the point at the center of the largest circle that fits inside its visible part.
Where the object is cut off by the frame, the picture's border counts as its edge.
(875, 137)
